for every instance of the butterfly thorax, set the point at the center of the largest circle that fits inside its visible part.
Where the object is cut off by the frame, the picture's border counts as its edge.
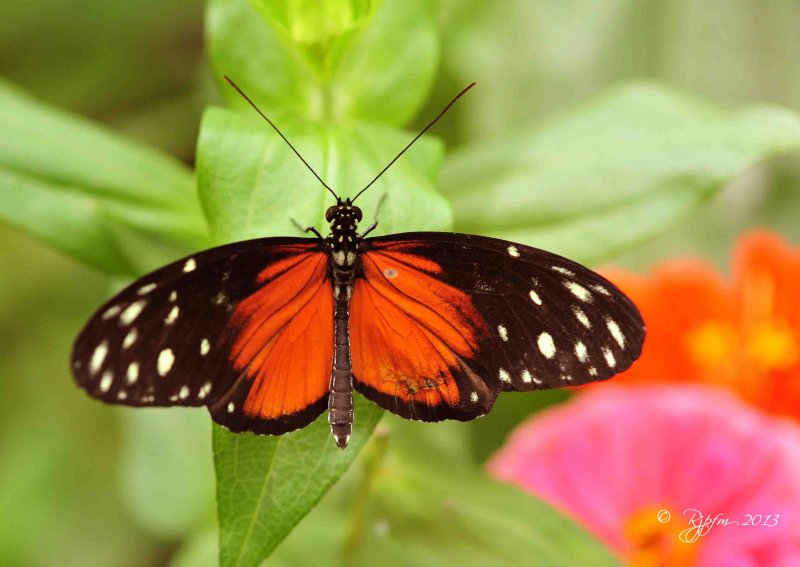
(343, 241)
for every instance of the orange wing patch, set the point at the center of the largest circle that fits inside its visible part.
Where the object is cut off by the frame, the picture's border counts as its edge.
(410, 334)
(285, 341)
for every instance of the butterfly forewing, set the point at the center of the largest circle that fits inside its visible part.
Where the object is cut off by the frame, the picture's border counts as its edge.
(185, 335)
(532, 320)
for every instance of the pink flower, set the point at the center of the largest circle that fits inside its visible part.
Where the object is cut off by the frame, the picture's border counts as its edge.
(614, 457)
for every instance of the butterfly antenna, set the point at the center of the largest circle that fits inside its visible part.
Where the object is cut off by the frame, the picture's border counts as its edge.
(417, 137)
(264, 116)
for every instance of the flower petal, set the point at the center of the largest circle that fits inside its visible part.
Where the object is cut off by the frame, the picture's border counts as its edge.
(615, 451)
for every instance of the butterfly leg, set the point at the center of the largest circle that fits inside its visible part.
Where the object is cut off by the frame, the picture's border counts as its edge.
(315, 231)
(309, 229)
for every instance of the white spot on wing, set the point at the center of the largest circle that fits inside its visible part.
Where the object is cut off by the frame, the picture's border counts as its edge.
(122, 395)
(173, 315)
(512, 251)
(578, 290)
(562, 270)
(609, 356)
(132, 312)
(133, 372)
(535, 297)
(615, 331)
(505, 376)
(503, 333)
(98, 356)
(231, 407)
(130, 338)
(581, 316)
(145, 289)
(220, 298)
(592, 371)
(166, 358)
(473, 397)
(190, 265)
(205, 347)
(173, 296)
(526, 376)
(546, 345)
(600, 289)
(581, 352)
(184, 393)
(105, 382)
(111, 312)
(205, 389)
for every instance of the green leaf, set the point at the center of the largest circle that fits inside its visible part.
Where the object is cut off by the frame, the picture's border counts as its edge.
(315, 21)
(429, 503)
(379, 72)
(266, 485)
(272, 71)
(414, 500)
(167, 478)
(442, 518)
(251, 184)
(89, 193)
(385, 74)
(615, 171)
(198, 550)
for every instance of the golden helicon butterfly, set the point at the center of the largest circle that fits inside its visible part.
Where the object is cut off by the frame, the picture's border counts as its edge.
(268, 333)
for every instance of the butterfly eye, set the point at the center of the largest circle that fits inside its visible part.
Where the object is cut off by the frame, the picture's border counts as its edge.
(357, 213)
(330, 213)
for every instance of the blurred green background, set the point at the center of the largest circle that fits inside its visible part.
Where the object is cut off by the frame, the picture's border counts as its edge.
(85, 485)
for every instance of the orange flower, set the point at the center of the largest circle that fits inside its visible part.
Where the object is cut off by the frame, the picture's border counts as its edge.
(742, 334)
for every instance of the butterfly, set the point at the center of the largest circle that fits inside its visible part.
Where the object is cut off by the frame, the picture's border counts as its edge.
(268, 333)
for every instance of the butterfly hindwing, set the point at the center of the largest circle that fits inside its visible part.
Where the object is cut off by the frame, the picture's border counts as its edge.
(411, 335)
(283, 347)
(184, 335)
(527, 319)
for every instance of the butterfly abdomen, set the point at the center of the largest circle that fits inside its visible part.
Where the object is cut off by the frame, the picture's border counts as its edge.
(340, 399)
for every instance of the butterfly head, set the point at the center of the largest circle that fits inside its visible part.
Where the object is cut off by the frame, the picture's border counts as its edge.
(343, 213)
